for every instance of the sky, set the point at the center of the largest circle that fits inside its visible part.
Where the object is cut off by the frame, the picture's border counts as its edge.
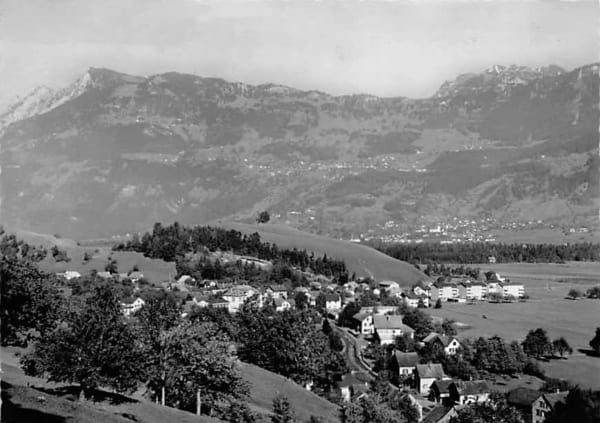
(385, 48)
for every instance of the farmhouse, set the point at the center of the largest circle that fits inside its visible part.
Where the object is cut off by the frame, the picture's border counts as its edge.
(524, 399)
(389, 327)
(440, 391)
(333, 302)
(426, 374)
(468, 392)
(449, 343)
(364, 323)
(351, 385)
(218, 302)
(440, 414)
(546, 403)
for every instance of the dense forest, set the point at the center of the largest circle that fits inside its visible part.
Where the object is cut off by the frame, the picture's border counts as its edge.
(480, 252)
(173, 242)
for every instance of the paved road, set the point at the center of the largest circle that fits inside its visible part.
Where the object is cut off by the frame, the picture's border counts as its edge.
(351, 350)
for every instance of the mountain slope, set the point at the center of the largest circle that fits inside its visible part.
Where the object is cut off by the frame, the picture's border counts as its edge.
(115, 153)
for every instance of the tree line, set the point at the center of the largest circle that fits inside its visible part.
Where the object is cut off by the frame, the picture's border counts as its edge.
(175, 241)
(480, 252)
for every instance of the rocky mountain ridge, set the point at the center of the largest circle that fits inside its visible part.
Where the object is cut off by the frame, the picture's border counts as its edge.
(114, 152)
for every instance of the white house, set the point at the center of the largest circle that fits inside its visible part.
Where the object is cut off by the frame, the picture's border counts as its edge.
(389, 327)
(449, 343)
(412, 300)
(282, 304)
(469, 392)
(333, 302)
(365, 322)
(237, 295)
(71, 274)
(128, 309)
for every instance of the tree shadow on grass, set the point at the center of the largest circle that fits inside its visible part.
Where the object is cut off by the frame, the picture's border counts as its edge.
(72, 393)
(15, 413)
(588, 352)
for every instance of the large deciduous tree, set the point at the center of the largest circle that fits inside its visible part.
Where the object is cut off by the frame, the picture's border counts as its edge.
(537, 344)
(595, 342)
(31, 303)
(201, 359)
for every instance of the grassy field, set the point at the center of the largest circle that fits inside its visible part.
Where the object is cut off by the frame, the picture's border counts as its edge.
(153, 269)
(361, 259)
(541, 236)
(266, 385)
(29, 399)
(547, 285)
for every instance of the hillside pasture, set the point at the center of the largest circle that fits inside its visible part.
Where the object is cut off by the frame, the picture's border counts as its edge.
(548, 308)
(265, 386)
(363, 260)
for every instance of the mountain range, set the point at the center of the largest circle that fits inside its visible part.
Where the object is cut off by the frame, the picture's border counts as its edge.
(114, 153)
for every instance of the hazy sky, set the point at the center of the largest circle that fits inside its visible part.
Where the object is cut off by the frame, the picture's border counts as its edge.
(385, 48)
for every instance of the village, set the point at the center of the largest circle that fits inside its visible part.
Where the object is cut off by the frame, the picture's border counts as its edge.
(435, 395)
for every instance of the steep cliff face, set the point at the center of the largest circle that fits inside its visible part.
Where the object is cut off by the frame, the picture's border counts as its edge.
(115, 152)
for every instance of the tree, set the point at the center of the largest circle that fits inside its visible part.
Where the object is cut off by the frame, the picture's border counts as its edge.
(593, 292)
(201, 360)
(301, 300)
(536, 343)
(326, 327)
(561, 346)
(263, 217)
(94, 347)
(595, 342)
(438, 303)
(574, 294)
(345, 318)
(154, 319)
(282, 410)
(31, 302)
(111, 266)
(449, 327)
(419, 321)
(581, 406)
(404, 343)
(492, 411)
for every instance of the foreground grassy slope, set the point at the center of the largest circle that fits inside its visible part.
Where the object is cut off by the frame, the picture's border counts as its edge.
(363, 260)
(266, 385)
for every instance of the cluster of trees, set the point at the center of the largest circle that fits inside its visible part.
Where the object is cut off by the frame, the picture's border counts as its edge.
(433, 269)
(478, 252)
(172, 242)
(538, 345)
(188, 365)
(297, 344)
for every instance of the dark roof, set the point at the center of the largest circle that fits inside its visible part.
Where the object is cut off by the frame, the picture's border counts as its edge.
(472, 387)
(217, 300)
(351, 380)
(431, 370)
(443, 386)
(445, 340)
(556, 397)
(409, 359)
(361, 316)
(437, 413)
(278, 288)
(332, 297)
(523, 397)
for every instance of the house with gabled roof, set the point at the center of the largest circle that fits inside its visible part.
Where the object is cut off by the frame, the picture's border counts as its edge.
(449, 343)
(440, 391)
(389, 327)
(364, 323)
(426, 374)
(237, 295)
(440, 414)
(281, 304)
(406, 362)
(523, 399)
(352, 384)
(277, 291)
(545, 404)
